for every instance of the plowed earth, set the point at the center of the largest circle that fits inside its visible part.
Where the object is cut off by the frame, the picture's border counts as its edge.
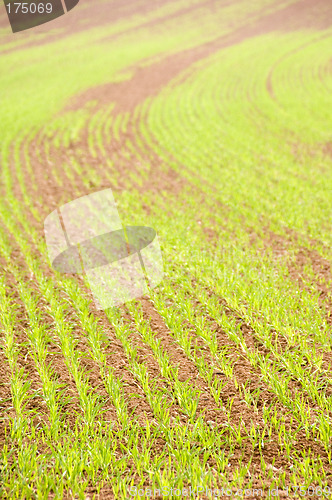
(139, 163)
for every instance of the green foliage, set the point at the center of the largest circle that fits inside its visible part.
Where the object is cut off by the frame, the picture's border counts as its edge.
(229, 163)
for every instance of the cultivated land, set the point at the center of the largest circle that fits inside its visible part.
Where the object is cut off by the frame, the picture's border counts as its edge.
(211, 121)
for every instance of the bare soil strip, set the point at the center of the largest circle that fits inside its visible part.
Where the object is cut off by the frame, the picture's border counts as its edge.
(304, 256)
(6, 403)
(148, 80)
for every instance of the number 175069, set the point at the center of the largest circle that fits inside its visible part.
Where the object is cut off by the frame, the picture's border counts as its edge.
(29, 8)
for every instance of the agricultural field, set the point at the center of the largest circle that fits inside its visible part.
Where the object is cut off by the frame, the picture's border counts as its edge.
(211, 122)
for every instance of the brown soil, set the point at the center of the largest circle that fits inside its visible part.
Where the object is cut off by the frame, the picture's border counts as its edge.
(304, 256)
(327, 149)
(6, 404)
(147, 81)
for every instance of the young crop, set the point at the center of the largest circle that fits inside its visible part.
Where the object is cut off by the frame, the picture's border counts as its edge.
(221, 141)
